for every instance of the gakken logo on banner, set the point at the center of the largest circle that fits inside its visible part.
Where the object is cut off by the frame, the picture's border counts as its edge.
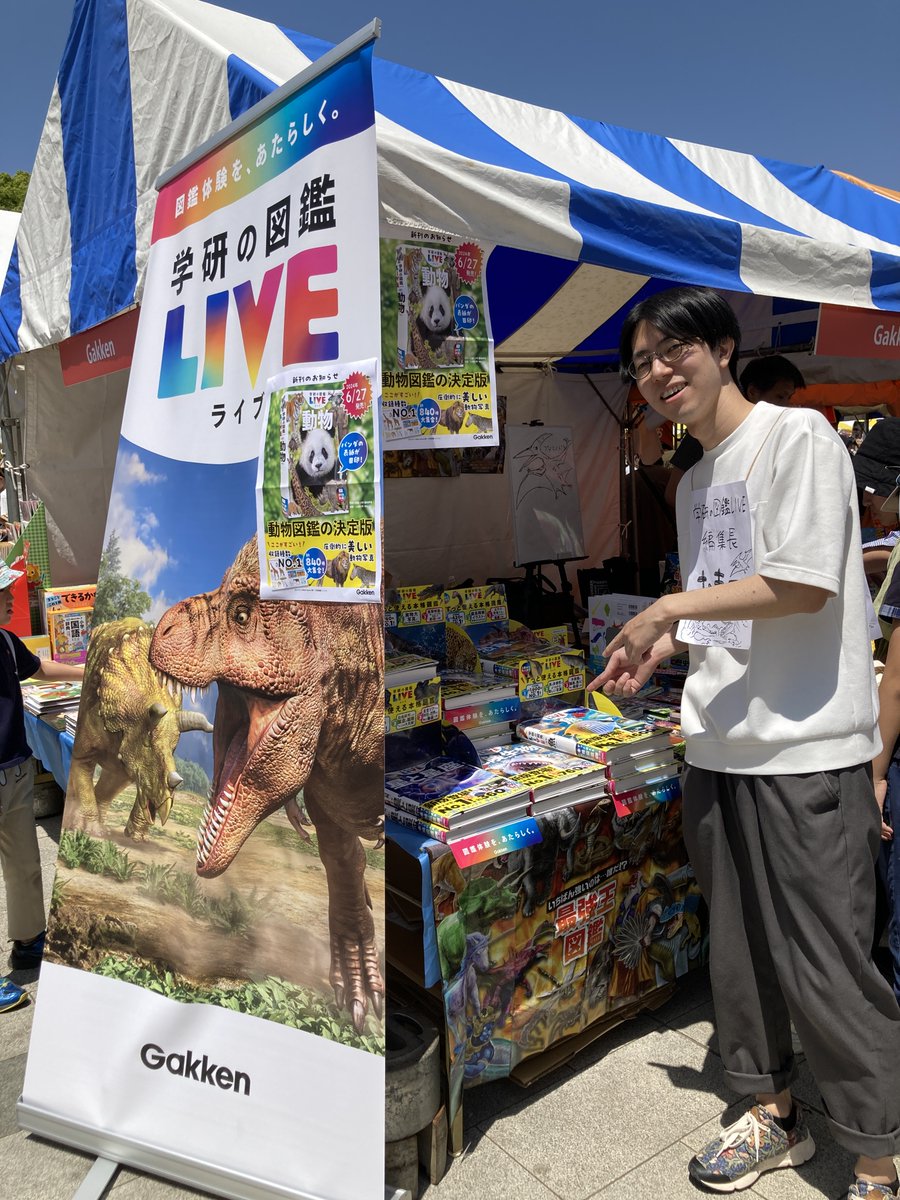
(201, 1070)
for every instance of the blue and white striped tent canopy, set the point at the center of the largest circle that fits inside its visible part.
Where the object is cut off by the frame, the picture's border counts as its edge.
(587, 215)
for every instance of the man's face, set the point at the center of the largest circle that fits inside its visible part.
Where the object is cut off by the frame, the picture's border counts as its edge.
(6, 605)
(780, 393)
(687, 391)
(874, 516)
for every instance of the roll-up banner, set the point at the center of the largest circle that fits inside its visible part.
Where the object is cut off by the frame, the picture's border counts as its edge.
(211, 1002)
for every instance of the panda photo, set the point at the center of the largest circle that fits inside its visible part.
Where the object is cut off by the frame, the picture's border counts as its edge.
(435, 316)
(316, 462)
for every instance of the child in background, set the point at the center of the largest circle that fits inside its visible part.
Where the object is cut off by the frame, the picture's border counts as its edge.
(19, 855)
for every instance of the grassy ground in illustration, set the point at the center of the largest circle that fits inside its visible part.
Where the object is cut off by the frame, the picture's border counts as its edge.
(255, 939)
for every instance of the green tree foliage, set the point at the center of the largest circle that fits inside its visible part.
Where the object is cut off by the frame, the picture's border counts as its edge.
(195, 778)
(117, 595)
(12, 190)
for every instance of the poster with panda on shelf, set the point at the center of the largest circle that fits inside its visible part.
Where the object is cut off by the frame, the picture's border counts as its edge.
(439, 388)
(318, 488)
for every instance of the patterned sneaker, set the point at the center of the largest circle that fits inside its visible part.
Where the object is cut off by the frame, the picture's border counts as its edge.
(756, 1143)
(863, 1190)
(26, 956)
(11, 996)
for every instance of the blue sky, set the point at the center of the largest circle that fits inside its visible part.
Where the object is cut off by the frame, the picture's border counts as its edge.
(808, 81)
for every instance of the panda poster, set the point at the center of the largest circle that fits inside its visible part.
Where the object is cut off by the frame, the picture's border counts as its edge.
(211, 1005)
(439, 389)
(318, 490)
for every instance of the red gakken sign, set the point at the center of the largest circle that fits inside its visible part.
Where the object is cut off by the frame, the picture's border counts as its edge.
(99, 351)
(857, 332)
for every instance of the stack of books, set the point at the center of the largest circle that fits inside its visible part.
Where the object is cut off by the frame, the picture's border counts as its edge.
(483, 709)
(70, 722)
(660, 706)
(402, 666)
(636, 754)
(51, 701)
(556, 780)
(412, 691)
(446, 799)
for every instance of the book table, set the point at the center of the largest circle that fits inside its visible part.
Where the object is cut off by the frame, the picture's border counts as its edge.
(526, 957)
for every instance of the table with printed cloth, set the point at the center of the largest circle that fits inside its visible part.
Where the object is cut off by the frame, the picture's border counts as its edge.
(546, 946)
(52, 746)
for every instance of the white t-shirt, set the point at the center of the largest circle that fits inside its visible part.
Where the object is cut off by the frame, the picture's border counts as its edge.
(803, 697)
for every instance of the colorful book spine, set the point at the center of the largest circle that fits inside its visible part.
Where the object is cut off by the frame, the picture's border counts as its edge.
(560, 741)
(437, 832)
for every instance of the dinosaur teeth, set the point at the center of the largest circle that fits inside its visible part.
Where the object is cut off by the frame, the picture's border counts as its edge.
(212, 821)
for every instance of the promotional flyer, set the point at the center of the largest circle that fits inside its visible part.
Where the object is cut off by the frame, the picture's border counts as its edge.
(439, 387)
(318, 485)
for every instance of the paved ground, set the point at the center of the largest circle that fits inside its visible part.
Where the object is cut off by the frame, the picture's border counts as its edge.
(620, 1121)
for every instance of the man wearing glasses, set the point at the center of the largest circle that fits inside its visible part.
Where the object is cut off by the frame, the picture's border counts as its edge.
(779, 718)
(773, 378)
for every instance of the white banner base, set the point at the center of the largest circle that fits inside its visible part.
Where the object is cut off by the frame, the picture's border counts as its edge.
(300, 1117)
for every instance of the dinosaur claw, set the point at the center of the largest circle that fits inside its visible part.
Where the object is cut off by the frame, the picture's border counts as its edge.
(339, 995)
(378, 1004)
(359, 1015)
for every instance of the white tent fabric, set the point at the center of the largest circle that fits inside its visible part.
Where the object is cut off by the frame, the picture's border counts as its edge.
(9, 224)
(469, 528)
(450, 157)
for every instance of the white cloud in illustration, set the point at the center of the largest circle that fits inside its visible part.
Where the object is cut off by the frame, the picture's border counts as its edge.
(143, 558)
(132, 469)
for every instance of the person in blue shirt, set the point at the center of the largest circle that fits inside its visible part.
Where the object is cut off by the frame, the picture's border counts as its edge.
(20, 858)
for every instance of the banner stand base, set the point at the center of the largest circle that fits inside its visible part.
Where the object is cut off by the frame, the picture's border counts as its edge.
(98, 1179)
(112, 1151)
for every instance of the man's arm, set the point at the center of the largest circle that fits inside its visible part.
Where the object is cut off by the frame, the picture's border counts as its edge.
(51, 671)
(755, 598)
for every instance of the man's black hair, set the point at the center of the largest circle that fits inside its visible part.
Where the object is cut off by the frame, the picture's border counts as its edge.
(683, 312)
(765, 373)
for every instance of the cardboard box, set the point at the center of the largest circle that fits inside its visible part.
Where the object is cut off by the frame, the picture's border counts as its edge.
(39, 644)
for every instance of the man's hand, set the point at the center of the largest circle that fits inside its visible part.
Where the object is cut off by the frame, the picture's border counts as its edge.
(880, 794)
(623, 675)
(642, 632)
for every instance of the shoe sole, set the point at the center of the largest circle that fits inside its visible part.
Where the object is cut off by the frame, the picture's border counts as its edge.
(20, 1003)
(795, 1157)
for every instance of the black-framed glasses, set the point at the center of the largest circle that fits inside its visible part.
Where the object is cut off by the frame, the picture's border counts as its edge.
(669, 353)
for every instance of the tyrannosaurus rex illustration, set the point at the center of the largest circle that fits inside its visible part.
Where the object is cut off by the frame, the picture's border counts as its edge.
(129, 725)
(301, 705)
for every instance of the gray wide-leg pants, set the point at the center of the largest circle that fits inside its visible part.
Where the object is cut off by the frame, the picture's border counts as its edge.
(786, 863)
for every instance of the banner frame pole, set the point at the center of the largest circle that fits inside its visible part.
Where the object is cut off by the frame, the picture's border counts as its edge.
(356, 41)
(93, 1187)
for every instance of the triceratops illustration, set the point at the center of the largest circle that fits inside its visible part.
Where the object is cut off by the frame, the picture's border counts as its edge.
(129, 725)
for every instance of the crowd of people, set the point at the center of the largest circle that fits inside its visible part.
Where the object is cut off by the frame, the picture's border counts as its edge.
(782, 732)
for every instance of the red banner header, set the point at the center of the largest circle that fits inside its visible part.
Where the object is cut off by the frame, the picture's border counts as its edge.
(99, 351)
(857, 332)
